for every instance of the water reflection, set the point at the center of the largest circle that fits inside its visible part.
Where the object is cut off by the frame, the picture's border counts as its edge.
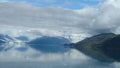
(24, 56)
(50, 44)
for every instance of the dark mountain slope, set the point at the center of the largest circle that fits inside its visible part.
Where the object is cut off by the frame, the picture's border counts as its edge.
(104, 47)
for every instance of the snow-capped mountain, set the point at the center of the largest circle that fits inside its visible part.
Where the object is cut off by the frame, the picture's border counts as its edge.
(18, 39)
(5, 39)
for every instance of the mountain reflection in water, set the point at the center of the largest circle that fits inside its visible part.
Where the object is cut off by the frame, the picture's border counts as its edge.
(28, 57)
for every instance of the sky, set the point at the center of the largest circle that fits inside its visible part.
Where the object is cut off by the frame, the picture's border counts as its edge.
(84, 16)
(69, 4)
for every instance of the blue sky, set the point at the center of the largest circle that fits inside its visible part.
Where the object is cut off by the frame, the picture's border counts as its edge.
(69, 4)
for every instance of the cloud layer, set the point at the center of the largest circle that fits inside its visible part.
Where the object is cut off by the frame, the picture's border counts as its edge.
(105, 18)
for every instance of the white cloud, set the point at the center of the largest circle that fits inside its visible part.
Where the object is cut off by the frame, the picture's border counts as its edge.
(26, 15)
(105, 18)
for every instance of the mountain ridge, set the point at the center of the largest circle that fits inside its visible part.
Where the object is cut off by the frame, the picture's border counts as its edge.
(95, 47)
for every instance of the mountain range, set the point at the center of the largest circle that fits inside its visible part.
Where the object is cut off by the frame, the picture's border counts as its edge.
(103, 47)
